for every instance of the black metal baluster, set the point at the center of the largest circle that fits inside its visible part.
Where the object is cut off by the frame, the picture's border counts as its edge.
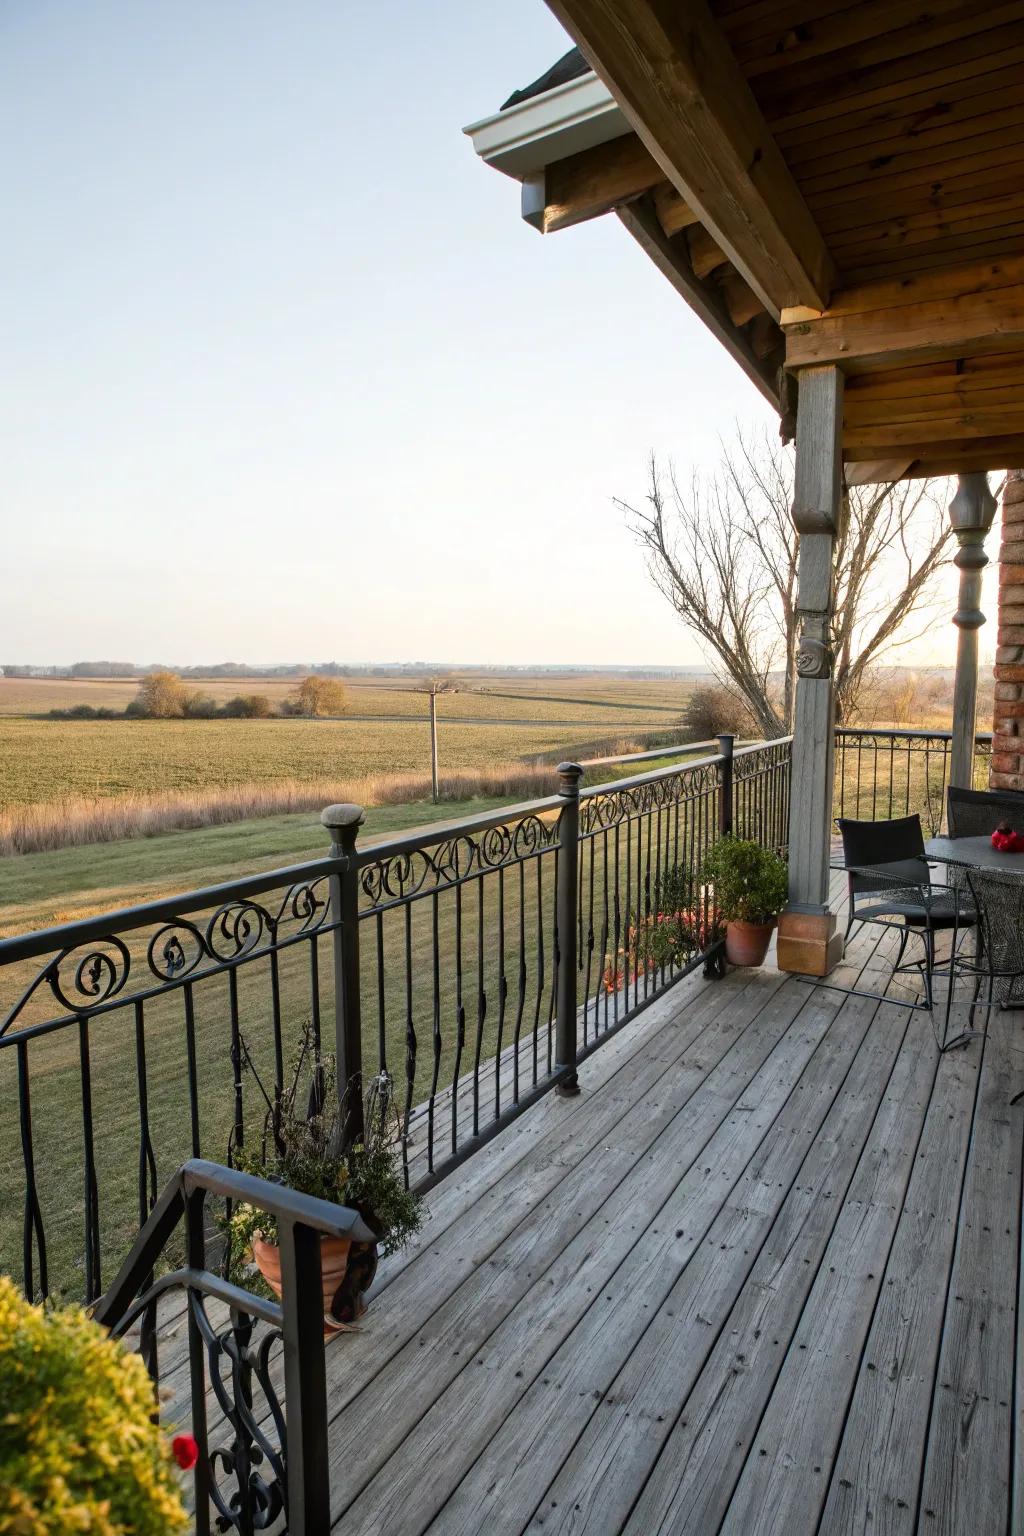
(481, 1004)
(147, 1185)
(628, 933)
(238, 1129)
(314, 999)
(193, 1071)
(499, 1044)
(521, 998)
(410, 1042)
(589, 963)
(460, 1019)
(605, 960)
(275, 1018)
(436, 1030)
(93, 1272)
(539, 995)
(33, 1216)
(382, 1037)
(553, 994)
(619, 934)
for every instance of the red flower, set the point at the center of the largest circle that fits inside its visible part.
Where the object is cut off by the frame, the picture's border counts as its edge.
(185, 1451)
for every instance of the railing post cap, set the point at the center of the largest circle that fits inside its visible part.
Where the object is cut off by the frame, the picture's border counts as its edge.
(343, 815)
(569, 775)
(570, 770)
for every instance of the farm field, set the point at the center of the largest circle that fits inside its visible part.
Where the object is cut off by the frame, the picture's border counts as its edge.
(45, 760)
(590, 697)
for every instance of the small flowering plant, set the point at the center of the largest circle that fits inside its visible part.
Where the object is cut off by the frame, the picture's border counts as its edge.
(683, 925)
(79, 1448)
(302, 1147)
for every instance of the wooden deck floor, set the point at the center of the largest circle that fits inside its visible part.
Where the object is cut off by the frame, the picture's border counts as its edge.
(761, 1276)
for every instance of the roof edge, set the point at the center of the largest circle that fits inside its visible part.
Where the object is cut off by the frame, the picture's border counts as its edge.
(558, 122)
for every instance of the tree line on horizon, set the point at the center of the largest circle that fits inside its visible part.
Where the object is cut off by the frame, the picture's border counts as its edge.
(164, 695)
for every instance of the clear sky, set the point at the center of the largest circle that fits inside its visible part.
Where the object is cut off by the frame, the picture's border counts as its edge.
(284, 373)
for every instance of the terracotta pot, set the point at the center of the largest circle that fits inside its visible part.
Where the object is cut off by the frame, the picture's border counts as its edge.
(747, 943)
(346, 1268)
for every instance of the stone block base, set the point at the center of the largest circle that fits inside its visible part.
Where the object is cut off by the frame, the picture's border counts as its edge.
(808, 943)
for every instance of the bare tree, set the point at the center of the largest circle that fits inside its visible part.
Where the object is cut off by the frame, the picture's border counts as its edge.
(725, 554)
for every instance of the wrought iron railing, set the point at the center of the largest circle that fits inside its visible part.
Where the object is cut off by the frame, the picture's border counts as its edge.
(476, 962)
(880, 774)
(123, 1045)
(242, 1350)
(495, 953)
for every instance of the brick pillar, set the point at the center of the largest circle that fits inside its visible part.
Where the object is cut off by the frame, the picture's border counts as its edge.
(1007, 768)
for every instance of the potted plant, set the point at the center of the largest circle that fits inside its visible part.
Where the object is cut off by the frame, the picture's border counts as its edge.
(750, 887)
(79, 1447)
(302, 1146)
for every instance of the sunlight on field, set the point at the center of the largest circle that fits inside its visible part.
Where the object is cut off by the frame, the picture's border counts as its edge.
(44, 760)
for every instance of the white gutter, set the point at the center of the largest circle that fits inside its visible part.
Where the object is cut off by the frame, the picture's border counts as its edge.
(548, 127)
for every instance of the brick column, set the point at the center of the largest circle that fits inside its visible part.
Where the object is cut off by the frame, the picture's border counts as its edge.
(1007, 768)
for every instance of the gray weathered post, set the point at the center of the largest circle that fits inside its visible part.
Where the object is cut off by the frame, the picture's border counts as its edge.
(566, 918)
(725, 802)
(343, 823)
(808, 942)
(970, 513)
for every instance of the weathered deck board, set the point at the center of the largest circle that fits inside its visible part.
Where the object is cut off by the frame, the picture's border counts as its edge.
(587, 1389)
(967, 1469)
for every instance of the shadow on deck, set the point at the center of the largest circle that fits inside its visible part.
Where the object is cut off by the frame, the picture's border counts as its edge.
(761, 1276)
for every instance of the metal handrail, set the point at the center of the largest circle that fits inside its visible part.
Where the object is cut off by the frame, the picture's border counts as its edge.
(291, 1481)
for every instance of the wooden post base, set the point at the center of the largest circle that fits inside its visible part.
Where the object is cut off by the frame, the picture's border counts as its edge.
(808, 943)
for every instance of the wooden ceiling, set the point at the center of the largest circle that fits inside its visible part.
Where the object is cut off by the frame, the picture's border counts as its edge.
(816, 175)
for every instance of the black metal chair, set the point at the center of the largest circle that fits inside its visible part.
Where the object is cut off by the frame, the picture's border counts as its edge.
(977, 812)
(889, 881)
(998, 899)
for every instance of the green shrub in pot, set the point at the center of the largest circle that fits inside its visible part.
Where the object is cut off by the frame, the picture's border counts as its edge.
(750, 885)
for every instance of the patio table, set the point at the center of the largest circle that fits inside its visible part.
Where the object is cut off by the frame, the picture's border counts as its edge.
(974, 853)
(963, 853)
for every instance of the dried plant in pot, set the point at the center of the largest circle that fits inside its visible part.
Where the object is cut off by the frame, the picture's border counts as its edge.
(303, 1147)
(750, 885)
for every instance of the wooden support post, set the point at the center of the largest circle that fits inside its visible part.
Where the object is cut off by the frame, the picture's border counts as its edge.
(808, 942)
(970, 512)
(343, 823)
(566, 918)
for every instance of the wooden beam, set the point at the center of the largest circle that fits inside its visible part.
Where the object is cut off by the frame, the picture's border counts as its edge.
(589, 184)
(671, 258)
(876, 471)
(952, 313)
(678, 84)
(674, 213)
(950, 457)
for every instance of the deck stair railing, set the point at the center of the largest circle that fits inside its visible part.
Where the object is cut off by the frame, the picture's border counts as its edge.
(271, 1468)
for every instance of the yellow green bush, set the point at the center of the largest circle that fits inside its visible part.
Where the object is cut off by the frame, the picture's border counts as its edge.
(79, 1451)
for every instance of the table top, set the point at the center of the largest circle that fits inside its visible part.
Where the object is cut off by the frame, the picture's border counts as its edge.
(977, 852)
